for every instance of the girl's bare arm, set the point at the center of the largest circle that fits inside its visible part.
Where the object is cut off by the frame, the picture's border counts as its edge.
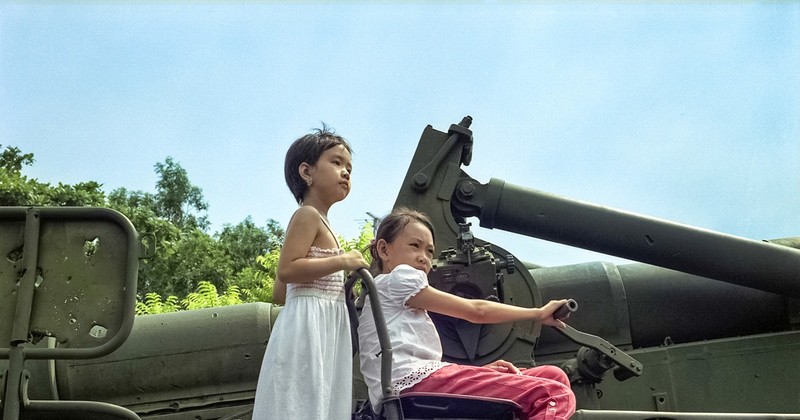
(295, 267)
(279, 292)
(480, 311)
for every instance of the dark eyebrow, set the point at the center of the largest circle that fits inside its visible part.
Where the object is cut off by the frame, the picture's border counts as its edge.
(420, 240)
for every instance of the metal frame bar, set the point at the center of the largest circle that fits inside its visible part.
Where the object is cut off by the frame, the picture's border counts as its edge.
(14, 392)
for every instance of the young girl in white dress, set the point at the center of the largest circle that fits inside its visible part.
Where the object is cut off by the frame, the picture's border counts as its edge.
(307, 369)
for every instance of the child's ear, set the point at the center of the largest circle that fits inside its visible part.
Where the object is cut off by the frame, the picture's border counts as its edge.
(305, 170)
(380, 246)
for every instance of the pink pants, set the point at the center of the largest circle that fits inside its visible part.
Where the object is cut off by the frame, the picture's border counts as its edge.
(543, 392)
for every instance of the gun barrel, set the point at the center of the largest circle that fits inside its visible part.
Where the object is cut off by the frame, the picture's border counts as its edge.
(746, 262)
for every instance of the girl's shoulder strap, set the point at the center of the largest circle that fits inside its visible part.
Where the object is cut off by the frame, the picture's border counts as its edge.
(327, 225)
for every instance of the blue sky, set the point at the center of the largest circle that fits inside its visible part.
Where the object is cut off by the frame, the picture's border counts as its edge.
(685, 111)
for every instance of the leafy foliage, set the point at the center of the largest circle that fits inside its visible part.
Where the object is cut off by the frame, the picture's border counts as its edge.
(12, 159)
(206, 296)
(258, 286)
(185, 254)
(244, 243)
(152, 304)
(361, 243)
(177, 200)
(18, 190)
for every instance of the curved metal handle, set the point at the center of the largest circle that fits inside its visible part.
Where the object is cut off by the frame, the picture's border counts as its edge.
(392, 409)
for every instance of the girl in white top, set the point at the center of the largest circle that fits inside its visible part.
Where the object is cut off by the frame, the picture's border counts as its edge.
(307, 367)
(402, 254)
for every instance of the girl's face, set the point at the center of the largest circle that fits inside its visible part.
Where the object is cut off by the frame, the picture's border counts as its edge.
(413, 246)
(330, 175)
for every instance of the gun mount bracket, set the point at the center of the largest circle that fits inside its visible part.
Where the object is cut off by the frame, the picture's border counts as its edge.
(458, 133)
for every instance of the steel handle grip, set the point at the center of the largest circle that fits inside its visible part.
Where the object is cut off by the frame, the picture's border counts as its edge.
(566, 309)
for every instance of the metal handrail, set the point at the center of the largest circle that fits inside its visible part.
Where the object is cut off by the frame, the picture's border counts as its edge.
(391, 403)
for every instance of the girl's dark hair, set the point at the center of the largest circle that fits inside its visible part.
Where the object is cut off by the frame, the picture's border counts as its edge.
(389, 229)
(308, 149)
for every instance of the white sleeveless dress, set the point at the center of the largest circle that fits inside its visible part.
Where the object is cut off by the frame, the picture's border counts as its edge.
(307, 369)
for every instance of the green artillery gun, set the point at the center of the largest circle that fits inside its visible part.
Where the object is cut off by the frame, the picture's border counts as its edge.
(703, 325)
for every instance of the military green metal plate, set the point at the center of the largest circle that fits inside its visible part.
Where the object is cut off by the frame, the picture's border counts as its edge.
(86, 262)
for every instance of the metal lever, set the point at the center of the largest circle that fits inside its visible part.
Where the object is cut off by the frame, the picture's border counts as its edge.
(458, 132)
(606, 353)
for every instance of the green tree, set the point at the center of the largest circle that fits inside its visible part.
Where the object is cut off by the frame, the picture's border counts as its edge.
(254, 253)
(185, 254)
(244, 242)
(180, 267)
(12, 159)
(250, 285)
(18, 190)
(140, 208)
(177, 200)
